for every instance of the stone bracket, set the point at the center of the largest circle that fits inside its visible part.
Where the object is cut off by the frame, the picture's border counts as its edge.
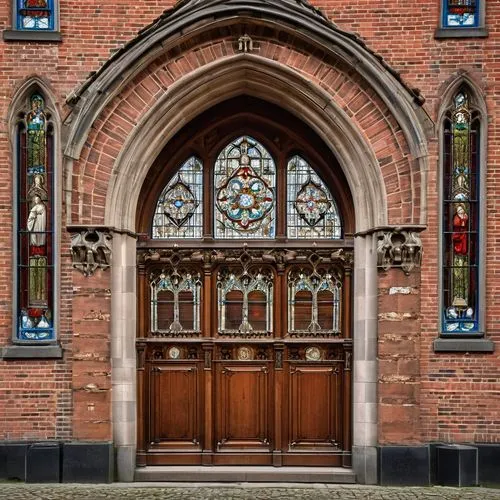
(91, 249)
(399, 247)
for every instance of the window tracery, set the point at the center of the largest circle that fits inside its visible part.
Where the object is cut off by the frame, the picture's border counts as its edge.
(460, 13)
(461, 216)
(35, 223)
(35, 15)
(311, 209)
(175, 302)
(179, 211)
(244, 180)
(314, 302)
(245, 301)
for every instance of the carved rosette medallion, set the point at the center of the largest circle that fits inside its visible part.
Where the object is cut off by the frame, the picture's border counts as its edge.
(313, 354)
(245, 354)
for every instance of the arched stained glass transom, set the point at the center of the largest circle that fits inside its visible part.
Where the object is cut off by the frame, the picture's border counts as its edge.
(179, 211)
(311, 209)
(245, 194)
(247, 184)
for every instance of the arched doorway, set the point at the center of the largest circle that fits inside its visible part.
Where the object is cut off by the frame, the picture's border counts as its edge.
(245, 257)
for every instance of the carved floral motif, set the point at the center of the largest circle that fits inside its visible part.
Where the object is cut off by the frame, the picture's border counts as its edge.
(399, 248)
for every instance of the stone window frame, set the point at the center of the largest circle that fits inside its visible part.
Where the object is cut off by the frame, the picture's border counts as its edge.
(476, 342)
(32, 35)
(479, 31)
(22, 349)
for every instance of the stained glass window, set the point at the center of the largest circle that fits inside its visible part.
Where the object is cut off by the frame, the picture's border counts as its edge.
(311, 209)
(179, 211)
(460, 221)
(175, 302)
(245, 302)
(35, 15)
(244, 182)
(314, 298)
(35, 224)
(460, 13)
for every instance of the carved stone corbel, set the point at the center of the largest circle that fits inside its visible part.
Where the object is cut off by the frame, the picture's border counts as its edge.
(399, 248)
(91, 250)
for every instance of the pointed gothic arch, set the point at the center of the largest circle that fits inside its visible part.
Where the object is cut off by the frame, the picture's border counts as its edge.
(127, 112)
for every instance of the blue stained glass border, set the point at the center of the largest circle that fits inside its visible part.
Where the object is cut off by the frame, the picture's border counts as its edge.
(20, 25)
(451, 20)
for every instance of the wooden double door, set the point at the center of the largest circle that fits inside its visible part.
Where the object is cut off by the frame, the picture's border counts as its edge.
(244, 357)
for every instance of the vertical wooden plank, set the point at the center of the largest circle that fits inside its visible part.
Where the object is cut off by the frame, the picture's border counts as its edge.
(346, 305)
(207, 415)
(141, 440)
(347, 410)
(143, 304)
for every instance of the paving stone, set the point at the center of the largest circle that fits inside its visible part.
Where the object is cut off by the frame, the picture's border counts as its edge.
(21, 491)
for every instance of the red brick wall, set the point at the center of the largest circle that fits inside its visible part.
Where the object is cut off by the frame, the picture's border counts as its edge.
(451, 397)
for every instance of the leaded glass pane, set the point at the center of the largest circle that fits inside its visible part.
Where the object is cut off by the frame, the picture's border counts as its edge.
(311, 210)
(460, 210)
(461, 13)
(245, 302)
(314, 298)
(35, 15)
(175, 302)
(244, 181)
(35, 243)
(179, 209)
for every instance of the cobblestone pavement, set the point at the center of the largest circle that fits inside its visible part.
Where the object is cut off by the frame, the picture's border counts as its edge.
(243, 491)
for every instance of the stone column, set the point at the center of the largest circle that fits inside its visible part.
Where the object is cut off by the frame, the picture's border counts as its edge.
(364, 448)
(123, 358)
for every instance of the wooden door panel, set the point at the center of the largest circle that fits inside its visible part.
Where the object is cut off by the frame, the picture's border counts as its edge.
(242, 405)
(314, 411)
(175, 407)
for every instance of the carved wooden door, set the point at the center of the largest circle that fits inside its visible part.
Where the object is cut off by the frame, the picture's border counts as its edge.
(244, 271)
(248, 357)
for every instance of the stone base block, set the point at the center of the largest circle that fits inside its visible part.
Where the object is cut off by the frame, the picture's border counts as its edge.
(14, 461)
(87, 463)
(489, 464)
(457, 465)
(43, 463)
(404, 466)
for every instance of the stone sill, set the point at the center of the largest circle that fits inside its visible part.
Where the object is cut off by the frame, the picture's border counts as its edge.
(461, 33)
(14, 352)
(31, 36)
(463, 345)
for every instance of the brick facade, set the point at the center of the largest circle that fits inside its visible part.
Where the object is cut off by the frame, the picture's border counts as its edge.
(423, 396)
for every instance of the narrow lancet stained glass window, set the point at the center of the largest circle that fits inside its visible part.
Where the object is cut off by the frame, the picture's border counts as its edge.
(460, 210)
(314, 299)
(179, 211)
(35, 224)
(244, 181)
(175, 302)
(35, 15)
(311, 210)
(460, 13)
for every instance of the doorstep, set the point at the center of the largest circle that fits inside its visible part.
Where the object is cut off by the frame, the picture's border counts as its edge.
(264, 474)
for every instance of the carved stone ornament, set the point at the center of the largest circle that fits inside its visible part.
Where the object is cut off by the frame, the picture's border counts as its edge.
(91, 250)
(399, 248)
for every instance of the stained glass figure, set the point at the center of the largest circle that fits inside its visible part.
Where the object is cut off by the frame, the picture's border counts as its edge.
(178, 212)
(245, 302)
(35, 15)
(460, 13)
(311, 209)
(175, 302)
(314, 300)
(460, 217)
(245, 178)
(35, 225)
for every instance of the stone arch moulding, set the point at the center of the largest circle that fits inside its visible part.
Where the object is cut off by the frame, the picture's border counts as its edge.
(108, 152)
(190, 19)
